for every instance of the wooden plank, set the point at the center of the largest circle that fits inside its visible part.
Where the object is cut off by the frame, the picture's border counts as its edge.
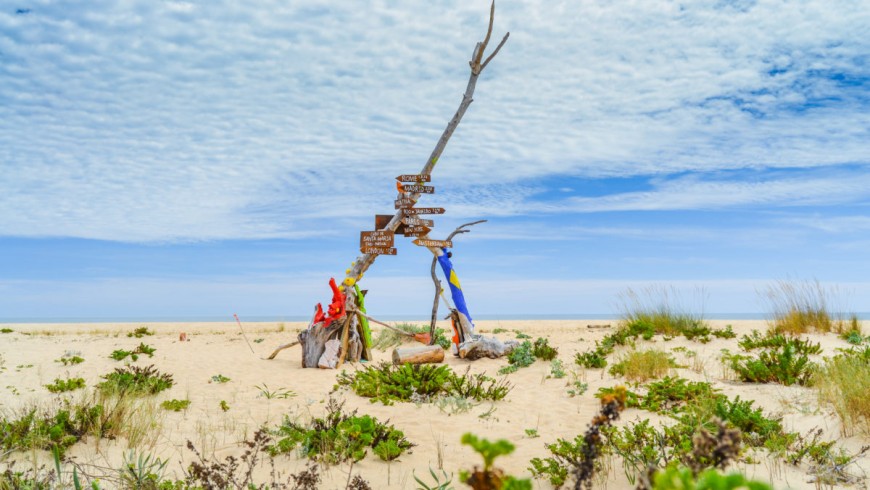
(433, 243)
(378, 250)
(414, 178)
(416, 211)
(379, 238)
(382, 220)
(416, 231)
(417, 222)
(404, 203)
(418, 189)
(418, 355)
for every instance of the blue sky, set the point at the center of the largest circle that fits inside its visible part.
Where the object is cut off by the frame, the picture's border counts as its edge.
(177, 159)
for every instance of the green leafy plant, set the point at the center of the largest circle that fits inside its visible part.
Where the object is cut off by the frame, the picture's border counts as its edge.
(56, 427)
(438, 485)
(641, 366)
(6, 330)
(681, 478)
(219, 378)
(70, 360)
(64, 385)
(339, 437)
(772, 339)
(142, 471)
(280, 393)
(142, 348)
(135, 380)
(786, 366)
(557, 369)
(490, 477)
(175, 405)
(140, 332)
(843, 383)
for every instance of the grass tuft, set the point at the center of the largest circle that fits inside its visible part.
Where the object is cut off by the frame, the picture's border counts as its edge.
(844, 383)
(642, 366)
(798, 307)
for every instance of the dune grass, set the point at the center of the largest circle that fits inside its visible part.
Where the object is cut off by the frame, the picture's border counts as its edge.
(662, 309)
(643, 365)
(843, 382)
(799, 307)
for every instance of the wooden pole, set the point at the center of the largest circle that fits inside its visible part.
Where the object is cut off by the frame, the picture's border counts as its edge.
(418, 355)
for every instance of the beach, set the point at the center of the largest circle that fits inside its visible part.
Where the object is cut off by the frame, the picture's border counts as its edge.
(234, 390)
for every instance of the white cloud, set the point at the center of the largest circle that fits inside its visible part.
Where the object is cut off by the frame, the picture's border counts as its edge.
(154, 121)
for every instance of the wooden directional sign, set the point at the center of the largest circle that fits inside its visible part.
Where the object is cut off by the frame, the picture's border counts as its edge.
(433, 243)
(416, 211)
(417, 222)
(418, 189)
(414, 178)
(380, 238)
(404, 203)
(416, 230)
(378, 250)
(382, 220)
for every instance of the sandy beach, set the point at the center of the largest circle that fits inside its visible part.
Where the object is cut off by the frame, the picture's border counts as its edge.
(536, 412)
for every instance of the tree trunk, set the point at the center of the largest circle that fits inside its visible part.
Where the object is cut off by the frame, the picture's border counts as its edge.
(418, 355)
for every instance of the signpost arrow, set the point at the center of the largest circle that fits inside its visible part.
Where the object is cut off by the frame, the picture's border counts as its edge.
(416, 231)
(417, 222)
(433, 243)
(378, 250)
(404, 203)
(416, 211)
(414, 178)
(382, 220)
(380, 238)
(418, 189)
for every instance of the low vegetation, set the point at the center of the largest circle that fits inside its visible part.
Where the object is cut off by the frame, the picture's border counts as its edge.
(175, 405)
(799, 307)
(142, 348)
(527, 353)
(135, 380)
(140, 332)
(843, 383)
(64, 385)
(783, 359)
(488, 476)
(642, 366)
(387, 338)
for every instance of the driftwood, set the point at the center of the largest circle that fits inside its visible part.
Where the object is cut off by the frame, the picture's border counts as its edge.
(282, 347)
(418, 355)
(491, 347)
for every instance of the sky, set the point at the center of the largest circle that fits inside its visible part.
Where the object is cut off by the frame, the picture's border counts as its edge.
(169, 159)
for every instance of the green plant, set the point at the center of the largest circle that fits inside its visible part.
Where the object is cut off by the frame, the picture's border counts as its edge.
(802, 306)
(786, 366)
(578, 388)
(523, 355)
(595, 358)
(57, 427)
(388, 338)
(6, 330)
(672, 395)
(438, 485)
(641, 366)
(490, 477)
(140, 332)
(175, 405)
(136, 380)
(63, 385)
(219, 378)
(339, 437)
(557, 369)
(142, 348)
(772, 339)
(420, 382)
(141, 471)
(280, 393)
(542, 349)
(68, 360)
(681, 478)
(532, 433)
(843, 383)
(225, 407)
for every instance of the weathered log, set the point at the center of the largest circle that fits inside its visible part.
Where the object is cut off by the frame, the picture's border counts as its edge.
(282, 347)
(313, 341)
(418, 355)
(480, 346)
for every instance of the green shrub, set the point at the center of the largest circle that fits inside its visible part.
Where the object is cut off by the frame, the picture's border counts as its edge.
(681, 478)
(339, 437)
(70, 360)
(640, 366)
(142, 348)
(57, 427)
(542, 349)
(63, 385)
(773, 339)
(844, 383)
(220, 379)
(175, 405)
(135, 380)
(786, 366)
(140, 332)
(420, 382)
(489, 476)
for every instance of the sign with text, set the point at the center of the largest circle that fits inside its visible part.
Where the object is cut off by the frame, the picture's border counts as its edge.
(416, 231)
(433, 243)
(380, 238)
(418, 189)
(414, 178)
(417, 222)
(404, 203)
(416, 211)
(378, 250)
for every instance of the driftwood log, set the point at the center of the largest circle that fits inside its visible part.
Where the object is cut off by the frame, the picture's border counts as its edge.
(479, 346)
(418, 355)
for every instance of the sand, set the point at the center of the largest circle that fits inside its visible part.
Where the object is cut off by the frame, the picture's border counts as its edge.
(536, 403)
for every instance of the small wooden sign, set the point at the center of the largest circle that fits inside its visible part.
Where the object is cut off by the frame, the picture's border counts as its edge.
(379, 238)
(416, 211)
(382, 220)
(378, 250)
(404, 203)
(433, 243)
(418, 222)
(414, 178)
(418, 189)
(416, 231)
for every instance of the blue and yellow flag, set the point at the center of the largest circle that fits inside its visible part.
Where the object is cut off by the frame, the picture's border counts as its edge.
(455, 287)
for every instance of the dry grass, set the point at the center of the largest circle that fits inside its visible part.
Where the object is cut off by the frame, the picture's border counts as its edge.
(844, 383)
(642, 366)
(798, 307)
(663, 308)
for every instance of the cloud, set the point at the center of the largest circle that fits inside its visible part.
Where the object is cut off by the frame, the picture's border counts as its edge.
(163, 121)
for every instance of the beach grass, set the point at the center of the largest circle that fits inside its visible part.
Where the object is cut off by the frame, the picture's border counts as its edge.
(799, 307)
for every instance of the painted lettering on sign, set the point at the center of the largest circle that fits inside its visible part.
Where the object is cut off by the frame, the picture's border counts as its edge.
(433, 243)
(416, 211)
(416, 231)
(380, 238)
(418, 189)
(378, 250)
(417, 222)
(404, 203)
(414, 178)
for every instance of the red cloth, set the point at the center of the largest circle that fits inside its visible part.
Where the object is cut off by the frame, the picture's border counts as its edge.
(336, 308)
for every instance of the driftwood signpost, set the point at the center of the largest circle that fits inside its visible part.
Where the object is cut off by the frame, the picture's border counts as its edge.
(341, 334)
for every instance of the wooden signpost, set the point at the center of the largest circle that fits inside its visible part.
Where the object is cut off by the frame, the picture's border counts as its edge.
(433, 243)
(417, 221)
(404, 203)
(418, 189)
(382, 220)
(378, 250)
(414, 178)
(416, 231)
(416, 211)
